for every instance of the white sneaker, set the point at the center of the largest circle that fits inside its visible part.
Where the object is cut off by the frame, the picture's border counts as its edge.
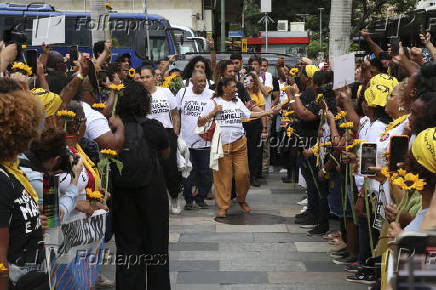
(304, 209)
(303, 202)
(175, 206)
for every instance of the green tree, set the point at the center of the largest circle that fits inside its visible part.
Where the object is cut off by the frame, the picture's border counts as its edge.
(252, 15)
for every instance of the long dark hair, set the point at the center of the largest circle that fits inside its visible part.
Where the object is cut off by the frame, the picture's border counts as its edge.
(324, 81)
(220, 68)
(187, 72)
(381, 115)
(224, 82)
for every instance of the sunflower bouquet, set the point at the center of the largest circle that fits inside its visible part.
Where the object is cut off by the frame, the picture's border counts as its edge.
(118, 91)
(108, 156)
(408, 182)
(108, 6)
(173, 82)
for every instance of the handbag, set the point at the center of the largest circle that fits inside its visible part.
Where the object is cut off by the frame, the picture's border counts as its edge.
(209, 129)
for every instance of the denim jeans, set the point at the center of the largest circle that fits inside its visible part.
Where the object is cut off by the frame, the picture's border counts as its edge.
(201, 175)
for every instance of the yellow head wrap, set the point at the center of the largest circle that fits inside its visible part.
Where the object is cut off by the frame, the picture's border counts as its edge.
(311, 70)
(50, 101)
(424, 149)
(380, 88)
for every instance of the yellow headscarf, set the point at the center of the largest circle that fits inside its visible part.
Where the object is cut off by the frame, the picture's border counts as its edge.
(311, 70)
(380, 88)
(12, 168)
(50, 101)
(424, 149)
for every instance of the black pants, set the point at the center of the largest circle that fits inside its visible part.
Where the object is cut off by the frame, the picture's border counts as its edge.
(253, 131)
(169, 166)
(141, 226)
(317, 202)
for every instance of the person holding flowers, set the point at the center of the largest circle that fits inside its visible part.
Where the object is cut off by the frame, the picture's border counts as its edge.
(420, 176)
(21, 234)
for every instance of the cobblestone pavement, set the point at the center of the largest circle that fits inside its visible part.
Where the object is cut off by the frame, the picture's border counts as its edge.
(258, 251)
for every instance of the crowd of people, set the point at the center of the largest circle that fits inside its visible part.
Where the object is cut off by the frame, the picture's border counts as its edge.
(208, 132)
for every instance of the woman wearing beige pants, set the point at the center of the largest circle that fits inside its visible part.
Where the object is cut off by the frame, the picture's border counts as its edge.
(228, 112)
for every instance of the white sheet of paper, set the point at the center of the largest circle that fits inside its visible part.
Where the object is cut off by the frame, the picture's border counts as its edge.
(48, 30)
(343, 70)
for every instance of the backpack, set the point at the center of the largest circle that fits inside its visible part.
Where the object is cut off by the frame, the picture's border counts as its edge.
(138, 158)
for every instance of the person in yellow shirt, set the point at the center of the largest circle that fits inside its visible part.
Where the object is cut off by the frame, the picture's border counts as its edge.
(255, 129)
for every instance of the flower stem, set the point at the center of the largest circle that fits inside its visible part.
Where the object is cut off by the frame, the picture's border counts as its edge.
(106, 183)
(368, 216)
(114, 108)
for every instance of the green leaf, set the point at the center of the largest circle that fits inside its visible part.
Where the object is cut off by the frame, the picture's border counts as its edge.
(119, 165)
(102, 165)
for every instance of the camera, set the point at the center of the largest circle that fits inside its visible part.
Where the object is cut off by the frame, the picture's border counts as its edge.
(65, 164)
(15, 35)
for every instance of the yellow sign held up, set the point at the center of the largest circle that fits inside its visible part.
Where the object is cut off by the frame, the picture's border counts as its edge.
(244, 45)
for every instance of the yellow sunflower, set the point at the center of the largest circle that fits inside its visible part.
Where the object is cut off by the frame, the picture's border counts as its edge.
(99, 106)
(385, 172)
(346, 125)
(327, 144)
(293, 71)
(116, 87)
(66, 114)
(132, 73)
(23, 68)
(318, 98)
(109, 152)
(93, 194)
(340, 115)
(108, 6)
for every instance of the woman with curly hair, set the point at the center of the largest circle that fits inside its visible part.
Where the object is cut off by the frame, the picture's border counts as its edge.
(140, 212)
(21, 238)
(197, 63)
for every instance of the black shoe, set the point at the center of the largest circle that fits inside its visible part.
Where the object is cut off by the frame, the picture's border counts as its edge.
(319, 230)
(353, 268)
(201, 204)
(254, 182)
(306, 221)
(362, 277)
(344, 261)
(340, 255)
(189, 205)
(301, 215)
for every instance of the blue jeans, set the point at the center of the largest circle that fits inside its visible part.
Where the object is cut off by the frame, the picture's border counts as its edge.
(201, 175)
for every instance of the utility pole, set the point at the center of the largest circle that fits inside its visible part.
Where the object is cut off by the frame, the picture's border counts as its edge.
(147, 29)
(320, 29)
(223, 25)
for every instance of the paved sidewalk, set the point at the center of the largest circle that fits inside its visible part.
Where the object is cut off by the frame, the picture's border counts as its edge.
(258, 251)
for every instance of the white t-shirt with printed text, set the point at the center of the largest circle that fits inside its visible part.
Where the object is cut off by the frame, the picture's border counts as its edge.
(162, 103)
(191, 106)
(229, 120)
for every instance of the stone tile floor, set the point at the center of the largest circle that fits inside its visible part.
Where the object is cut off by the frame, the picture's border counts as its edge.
(263, 250)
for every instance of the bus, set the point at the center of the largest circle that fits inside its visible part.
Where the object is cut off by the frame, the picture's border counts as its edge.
(128, 30)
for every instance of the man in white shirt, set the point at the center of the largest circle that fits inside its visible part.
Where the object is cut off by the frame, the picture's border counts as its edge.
(191, 101)
(164, 109)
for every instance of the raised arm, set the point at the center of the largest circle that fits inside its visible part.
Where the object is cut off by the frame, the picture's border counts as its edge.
(374, 47)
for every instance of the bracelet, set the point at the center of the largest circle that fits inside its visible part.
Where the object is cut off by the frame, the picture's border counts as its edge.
(79, 76)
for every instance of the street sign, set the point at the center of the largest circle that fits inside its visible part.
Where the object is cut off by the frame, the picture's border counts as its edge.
(265, 6)
(244, 45)
(235, 33)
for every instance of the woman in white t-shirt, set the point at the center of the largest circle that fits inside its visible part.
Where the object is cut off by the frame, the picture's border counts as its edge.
(228, 111)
